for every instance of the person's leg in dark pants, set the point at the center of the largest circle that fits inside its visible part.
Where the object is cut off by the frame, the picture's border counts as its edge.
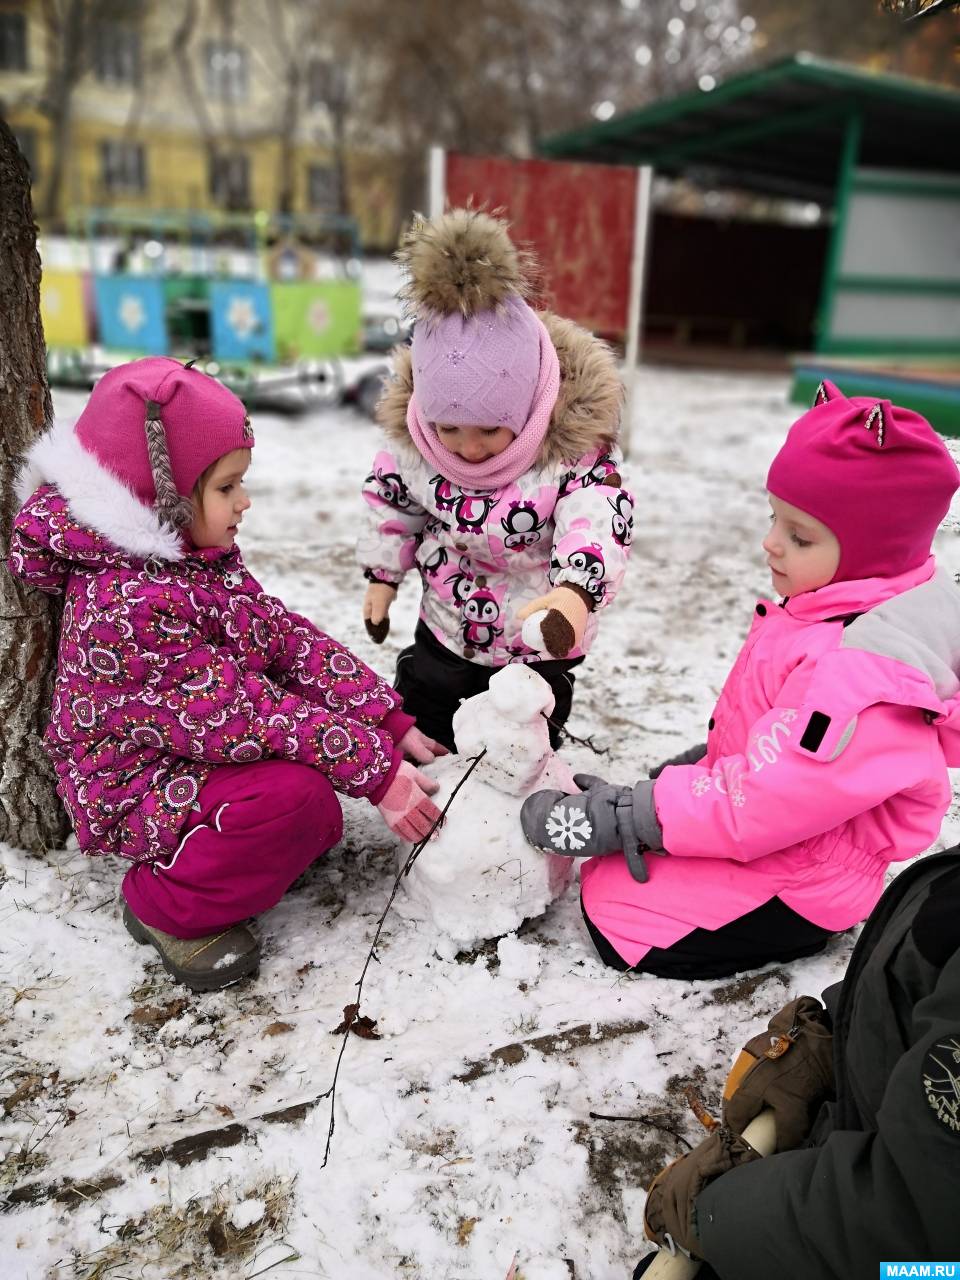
(772, 932)
(433, 682)
(559, 676)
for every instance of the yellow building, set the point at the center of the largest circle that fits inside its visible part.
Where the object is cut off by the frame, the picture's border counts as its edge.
(165, 116)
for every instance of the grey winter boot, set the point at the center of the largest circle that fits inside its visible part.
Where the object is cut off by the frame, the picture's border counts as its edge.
(203, 964)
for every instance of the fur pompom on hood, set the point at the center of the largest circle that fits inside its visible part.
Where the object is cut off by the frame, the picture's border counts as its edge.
(587, 412)
(461, 262)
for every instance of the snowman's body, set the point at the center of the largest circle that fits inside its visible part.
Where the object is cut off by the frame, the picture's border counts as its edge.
(479, 878)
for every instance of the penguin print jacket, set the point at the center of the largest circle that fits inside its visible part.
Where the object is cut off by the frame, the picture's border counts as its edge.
(483, 554)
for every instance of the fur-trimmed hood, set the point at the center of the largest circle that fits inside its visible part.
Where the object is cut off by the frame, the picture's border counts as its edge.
(586, 415)
(96, 498)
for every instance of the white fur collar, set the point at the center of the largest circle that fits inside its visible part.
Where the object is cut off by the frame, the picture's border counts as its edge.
(96, 496)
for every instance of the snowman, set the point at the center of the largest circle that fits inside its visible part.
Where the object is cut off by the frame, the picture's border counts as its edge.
(478, 878)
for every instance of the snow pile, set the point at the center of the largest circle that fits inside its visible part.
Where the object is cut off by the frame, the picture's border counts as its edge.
(246, 1213)
(478, 878)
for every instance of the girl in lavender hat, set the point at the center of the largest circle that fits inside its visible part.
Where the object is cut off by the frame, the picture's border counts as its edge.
(500, 485)
(200, 729)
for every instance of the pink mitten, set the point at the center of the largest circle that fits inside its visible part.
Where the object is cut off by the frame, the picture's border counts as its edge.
(421, 748)
(407, 808)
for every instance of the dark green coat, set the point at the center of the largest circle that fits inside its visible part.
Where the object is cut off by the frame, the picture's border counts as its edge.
(881, 1180)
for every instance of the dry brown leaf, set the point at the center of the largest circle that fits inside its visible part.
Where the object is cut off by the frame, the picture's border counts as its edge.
(362, 1026)
(699, 1109)
(152, 1015)
(464, 1228)
(27, 1088)
(225, 1110)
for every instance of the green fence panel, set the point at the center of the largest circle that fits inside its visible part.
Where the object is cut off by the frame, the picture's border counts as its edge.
(316, 319)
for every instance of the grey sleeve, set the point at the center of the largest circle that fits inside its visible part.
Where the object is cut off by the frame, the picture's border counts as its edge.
(834, 1211)
(692, 755)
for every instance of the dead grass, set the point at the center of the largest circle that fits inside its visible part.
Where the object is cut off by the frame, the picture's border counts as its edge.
(198, 1239)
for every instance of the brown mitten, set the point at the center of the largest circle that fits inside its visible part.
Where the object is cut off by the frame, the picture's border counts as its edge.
(568, 607)
(378, 631)
(788, 1068)
(668, 1216)
(558, 635)
(376, 609)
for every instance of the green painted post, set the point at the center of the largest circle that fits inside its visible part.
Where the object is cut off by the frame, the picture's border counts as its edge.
(848, 164)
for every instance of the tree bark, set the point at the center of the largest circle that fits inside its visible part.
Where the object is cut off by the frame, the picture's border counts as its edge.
(31, 815)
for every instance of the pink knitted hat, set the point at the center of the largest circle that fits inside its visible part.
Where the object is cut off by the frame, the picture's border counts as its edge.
(878, 476)
(156, 425)
(476, 343)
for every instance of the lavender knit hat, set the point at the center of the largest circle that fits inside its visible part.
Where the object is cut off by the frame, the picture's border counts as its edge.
(476, 342)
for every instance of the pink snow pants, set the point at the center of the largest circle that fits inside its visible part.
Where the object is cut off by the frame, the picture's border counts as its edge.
(257, 828)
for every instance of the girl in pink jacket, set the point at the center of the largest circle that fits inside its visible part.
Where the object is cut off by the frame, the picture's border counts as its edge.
(827, 753)
(199, 728)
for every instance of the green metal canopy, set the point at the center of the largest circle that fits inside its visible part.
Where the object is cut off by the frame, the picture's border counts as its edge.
(781, 130)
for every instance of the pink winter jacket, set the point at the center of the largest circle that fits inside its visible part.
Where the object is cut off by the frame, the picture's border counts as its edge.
(826, 760)
(170, 667)
(828, 749)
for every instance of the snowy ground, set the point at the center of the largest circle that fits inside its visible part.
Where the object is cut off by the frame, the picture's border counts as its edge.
(449, 1159)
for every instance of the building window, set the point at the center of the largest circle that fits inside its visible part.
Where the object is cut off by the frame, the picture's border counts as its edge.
(326, 84)
(123, 166)
(230, 180)
(116, 53)
(323, 189)
(27, 142)
(227, 71)
(13, 41)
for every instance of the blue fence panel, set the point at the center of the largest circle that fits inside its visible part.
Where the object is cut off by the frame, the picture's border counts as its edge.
(130, 314)
(241, 321)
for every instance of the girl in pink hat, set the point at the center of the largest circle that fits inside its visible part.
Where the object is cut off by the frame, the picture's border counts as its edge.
(827, 753)
(501, 482)
(200, 729)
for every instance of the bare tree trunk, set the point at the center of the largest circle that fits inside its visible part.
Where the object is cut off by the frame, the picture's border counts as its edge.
(288, 137)
(527, 95)
(31, 815)
(340, 158)
(68, 36)
(180, 48)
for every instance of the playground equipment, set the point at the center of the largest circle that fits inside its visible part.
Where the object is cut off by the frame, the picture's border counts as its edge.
(268, 303)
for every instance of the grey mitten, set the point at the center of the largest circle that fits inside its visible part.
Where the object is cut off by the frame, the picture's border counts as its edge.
(693, 755)
(605, 818)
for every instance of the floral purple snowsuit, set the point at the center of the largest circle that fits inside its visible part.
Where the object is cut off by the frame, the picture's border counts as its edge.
(169, 668)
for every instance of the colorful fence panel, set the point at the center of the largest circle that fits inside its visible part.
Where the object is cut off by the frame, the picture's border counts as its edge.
(579, 219)
(63, 309)
(316, 319)
(241, 321)
(130, 314)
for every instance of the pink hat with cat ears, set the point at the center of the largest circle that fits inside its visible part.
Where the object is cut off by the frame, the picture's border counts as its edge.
(878, 476)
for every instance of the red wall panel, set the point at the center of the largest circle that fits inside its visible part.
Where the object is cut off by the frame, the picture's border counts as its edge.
(577, 218)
